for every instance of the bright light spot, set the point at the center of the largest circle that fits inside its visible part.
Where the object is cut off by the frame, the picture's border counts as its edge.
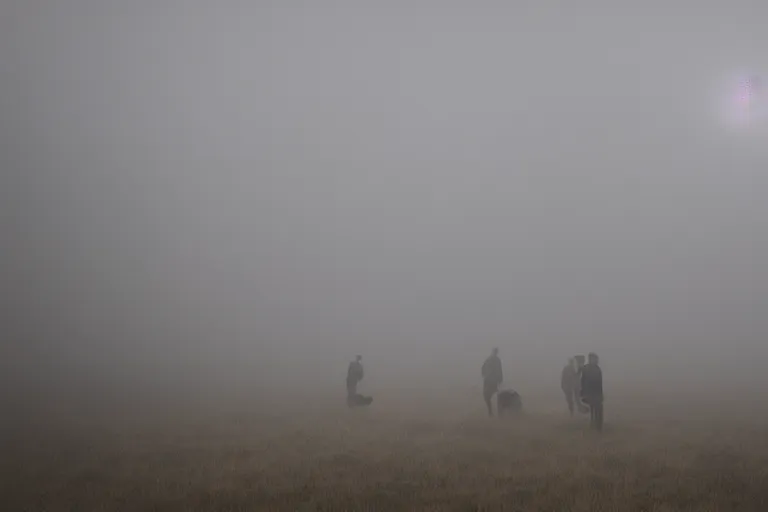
(746, 103)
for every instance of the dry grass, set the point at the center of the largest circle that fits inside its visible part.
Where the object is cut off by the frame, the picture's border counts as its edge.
(394, 457)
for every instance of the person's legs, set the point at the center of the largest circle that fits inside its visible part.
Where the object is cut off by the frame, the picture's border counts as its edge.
(591, 406)
(569, 400)
(351, 392)
(598, 407)
(488, 392)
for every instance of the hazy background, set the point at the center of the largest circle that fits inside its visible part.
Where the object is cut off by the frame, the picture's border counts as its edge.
(232, 197)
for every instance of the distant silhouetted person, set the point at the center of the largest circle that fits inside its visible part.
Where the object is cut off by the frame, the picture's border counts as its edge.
(592, 390)
(492, 377)
(354, 375)
(582, 408)
(569, 384)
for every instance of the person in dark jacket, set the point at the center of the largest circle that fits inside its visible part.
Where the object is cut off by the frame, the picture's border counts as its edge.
(354, 375)
(592, 390)
(580, 405)
(569, 384)
(492, 377)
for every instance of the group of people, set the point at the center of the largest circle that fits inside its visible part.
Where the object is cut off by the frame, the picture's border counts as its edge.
(581, 383)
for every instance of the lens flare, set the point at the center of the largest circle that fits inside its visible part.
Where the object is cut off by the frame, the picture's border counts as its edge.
(746, 103)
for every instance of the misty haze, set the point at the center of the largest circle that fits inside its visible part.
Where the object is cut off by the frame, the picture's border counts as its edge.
(209, 210)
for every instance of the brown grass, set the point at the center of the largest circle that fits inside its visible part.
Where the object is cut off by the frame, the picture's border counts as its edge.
(392, 457)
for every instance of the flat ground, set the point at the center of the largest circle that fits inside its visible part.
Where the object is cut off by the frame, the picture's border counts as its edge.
(394, 456)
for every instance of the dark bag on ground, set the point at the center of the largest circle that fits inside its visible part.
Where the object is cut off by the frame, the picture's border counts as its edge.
(508, 401)
(358, 400)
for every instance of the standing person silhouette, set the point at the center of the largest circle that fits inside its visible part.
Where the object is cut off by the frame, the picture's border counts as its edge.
(492, 377)
(354, 375)
(592, 390)
(569, 385)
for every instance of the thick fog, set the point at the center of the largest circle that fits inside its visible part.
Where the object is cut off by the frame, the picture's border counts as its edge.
(244, 195)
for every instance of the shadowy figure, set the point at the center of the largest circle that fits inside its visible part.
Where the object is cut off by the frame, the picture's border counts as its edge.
(354, 375)
(580, 405)
(492, 377)
(569, 384)
(592, 390)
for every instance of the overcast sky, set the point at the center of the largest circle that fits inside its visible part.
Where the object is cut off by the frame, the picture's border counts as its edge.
(261, 188)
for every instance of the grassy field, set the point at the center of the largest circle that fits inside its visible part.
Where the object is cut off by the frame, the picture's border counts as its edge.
(395, 456)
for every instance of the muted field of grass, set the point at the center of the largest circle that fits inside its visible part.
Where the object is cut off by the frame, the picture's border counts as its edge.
(392, 457)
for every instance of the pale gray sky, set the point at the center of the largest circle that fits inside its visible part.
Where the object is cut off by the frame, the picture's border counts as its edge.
(244, 189)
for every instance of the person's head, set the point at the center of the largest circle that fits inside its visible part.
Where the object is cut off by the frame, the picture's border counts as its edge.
(495, 351)
(358, 358)
(571, 361)
(593, 359)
